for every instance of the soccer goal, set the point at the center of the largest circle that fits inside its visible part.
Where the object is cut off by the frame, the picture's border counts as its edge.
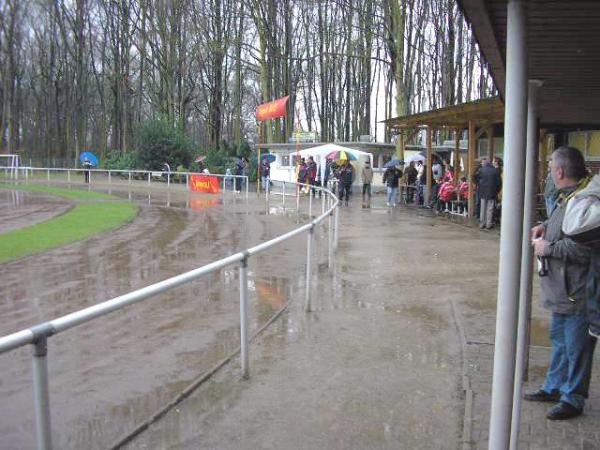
(9, 165)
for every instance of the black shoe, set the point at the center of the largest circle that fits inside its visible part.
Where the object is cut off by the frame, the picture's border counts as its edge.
(563, 411)
(542, 396)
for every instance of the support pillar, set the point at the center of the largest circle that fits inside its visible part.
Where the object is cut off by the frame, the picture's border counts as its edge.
(491, 149)
(456, 162)
(429, 164)
(523, 335)
(471, 167)
(511, 232)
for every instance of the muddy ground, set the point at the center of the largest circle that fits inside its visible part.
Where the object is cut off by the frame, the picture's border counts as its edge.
(107, 375)
(21, 209)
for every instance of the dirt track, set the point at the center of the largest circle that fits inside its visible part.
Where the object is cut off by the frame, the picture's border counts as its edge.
(108, 375)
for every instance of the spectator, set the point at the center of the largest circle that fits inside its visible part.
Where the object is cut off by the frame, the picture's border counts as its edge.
(346, 177)
(564, 294)
(87, 165)
(411, 174)
(448, 173)
(421, 182)
(391, 178)
(311, 173)
(265, 174)
(437, 171)
(366, 175)
(446, 194)
(463, 195)
(302, 173)
(550, 194)
(490, 183)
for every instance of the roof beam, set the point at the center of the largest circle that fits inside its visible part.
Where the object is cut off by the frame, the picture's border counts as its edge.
(475, 11)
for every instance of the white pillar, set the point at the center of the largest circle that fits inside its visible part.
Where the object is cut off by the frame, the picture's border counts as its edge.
(526, 259)
(515, 121)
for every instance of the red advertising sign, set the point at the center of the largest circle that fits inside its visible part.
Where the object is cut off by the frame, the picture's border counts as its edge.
(204, 183)
(272, 110)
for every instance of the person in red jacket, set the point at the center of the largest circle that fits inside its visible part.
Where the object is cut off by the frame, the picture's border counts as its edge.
(463, 194)
(446, 195)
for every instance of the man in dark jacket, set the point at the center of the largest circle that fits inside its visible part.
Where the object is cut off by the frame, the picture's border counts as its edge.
(411, 181)
(391, 178)
(490, 183)
(564, 293)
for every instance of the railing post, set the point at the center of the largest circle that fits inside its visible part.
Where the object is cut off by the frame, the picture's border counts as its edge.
(48, 174)
(149, 176)
(330, 241)
(109, 180)
(309, 242)
(336, 228)
(310, 203)
(42, 398)
(168, 179)
(68, 175)
(129, 177)
(283, 195)
(247, 182)
(244, 317)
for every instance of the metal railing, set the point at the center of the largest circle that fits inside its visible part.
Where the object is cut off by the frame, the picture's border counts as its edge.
(90, 176)
(38, 335)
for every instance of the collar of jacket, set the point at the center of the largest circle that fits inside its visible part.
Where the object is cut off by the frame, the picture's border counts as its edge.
(567, 193)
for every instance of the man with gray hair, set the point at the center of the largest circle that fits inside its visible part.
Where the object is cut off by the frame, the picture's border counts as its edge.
(563, 285)
(489, 180)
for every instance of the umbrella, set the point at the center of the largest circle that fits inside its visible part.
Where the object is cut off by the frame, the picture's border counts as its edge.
(269, 157)
(200, 158)
(90, 157)
(393, 163)
(341, 155)
(417, 157)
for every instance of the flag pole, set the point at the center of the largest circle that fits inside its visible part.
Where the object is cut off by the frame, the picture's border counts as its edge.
(297, 150)
(258, 161)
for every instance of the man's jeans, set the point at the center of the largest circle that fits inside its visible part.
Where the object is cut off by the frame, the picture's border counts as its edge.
(571, 361)
(392, 193)
(266, 181)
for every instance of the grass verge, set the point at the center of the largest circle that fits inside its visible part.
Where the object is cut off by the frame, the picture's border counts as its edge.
(72, 194)
(81, 222)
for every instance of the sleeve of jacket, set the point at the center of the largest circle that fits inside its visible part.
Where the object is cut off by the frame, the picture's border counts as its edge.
(499, 180)
(569, 250)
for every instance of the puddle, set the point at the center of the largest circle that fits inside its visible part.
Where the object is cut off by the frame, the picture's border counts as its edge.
(21, 209)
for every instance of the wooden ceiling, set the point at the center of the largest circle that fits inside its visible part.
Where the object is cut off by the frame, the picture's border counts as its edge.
(563, 50)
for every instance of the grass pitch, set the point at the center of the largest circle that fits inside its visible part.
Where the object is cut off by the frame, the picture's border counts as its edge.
(87, 218)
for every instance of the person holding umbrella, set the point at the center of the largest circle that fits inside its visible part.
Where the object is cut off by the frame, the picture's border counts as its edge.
(88, 160)
(346, 176)
(391, 178)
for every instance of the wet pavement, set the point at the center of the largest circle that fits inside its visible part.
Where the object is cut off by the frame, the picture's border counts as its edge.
(397, 353)
(377, 365)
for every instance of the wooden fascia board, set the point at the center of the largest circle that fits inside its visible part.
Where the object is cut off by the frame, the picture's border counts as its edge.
(476, 13)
